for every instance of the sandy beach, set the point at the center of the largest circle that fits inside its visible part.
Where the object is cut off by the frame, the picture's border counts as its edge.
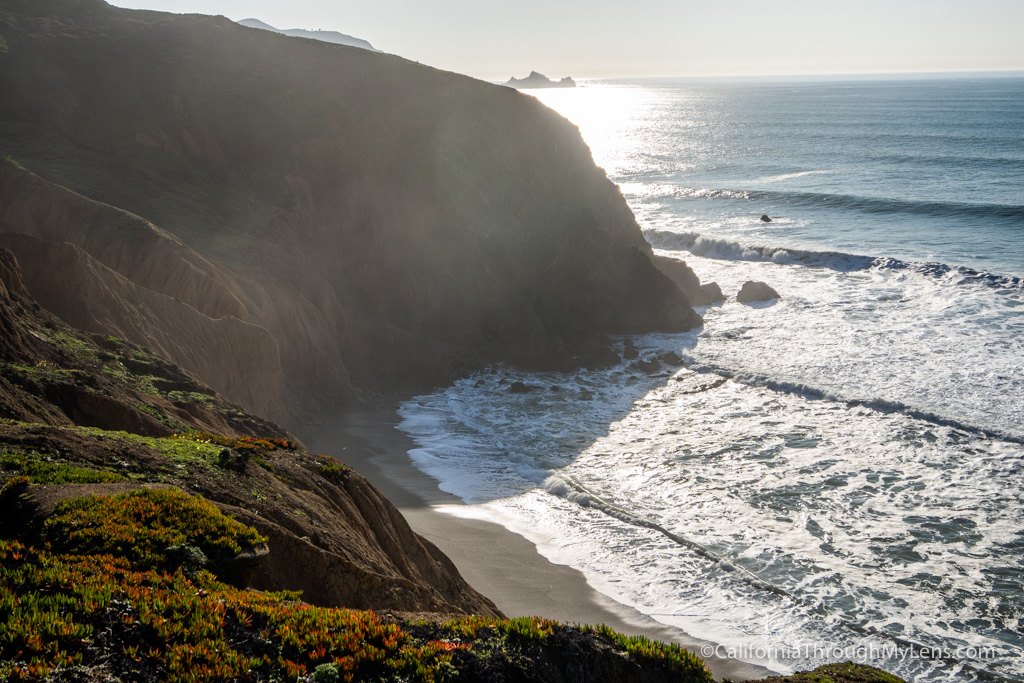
(500, 564)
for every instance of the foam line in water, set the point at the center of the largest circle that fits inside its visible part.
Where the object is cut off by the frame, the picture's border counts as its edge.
(877, 404)
(565, 487)
(727, 250)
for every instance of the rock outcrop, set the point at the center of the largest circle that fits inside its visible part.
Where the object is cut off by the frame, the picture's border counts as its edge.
(683, 276)
(400, 226)
(753, 291)
(712, 292)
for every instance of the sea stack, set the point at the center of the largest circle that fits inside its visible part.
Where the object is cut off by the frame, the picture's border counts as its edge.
(538, 80)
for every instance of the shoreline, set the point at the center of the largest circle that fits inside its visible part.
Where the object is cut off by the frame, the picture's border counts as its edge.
(502, 565)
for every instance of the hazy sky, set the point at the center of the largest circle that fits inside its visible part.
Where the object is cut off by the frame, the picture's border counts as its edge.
(600, 38)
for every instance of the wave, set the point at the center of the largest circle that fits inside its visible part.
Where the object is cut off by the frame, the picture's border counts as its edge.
(791, 176)
(1012, 213)
(727, 250)
(880, 405)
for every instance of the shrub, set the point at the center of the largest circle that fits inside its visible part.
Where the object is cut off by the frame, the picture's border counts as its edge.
(140, 525)
(173, 627)
(326, 673)
(334, 471)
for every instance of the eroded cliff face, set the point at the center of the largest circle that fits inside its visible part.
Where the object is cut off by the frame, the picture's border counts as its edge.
(239, 359)
(364, 222)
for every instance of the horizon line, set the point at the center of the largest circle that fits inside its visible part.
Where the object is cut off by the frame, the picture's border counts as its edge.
(1003, 73)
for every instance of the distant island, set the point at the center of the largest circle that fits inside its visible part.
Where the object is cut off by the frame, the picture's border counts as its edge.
(325, 36)
(536, 80)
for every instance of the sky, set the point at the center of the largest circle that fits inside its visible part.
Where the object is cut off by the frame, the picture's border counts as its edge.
(659, 38)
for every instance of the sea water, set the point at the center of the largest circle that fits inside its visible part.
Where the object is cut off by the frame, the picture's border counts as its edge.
(833, 475)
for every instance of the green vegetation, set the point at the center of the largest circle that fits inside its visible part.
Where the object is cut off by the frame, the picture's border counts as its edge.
(170, 627)
(41, 472)
(140, 525)
(334, 471)
(202, 449)
(639, 647)
(186, 450)
(183, 450)
(64, 339)
(242, 443)
(42, 371)
(102, 593)
(102, 563)
(504, 640)
(847, 672)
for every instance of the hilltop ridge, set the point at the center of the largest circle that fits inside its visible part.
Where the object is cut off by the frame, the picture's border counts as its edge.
(326, 36)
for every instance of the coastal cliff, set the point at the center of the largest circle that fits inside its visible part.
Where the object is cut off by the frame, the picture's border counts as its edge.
(352, 222)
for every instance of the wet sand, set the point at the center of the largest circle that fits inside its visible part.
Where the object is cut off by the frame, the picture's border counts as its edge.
(500, 564)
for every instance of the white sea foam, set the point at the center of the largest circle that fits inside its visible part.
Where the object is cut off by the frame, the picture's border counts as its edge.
(778, 503)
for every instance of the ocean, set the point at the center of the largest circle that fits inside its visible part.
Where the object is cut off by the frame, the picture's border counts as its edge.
(834, 475)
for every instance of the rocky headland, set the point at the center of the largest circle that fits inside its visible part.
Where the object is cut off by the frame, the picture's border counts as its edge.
(209, 234)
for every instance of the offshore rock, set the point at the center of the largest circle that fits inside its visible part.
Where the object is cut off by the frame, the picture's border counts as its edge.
(713, 292)
(671, 358)
(753, 291)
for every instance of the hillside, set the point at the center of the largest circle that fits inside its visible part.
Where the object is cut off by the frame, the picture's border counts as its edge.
(300, 223)
(83, 414)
